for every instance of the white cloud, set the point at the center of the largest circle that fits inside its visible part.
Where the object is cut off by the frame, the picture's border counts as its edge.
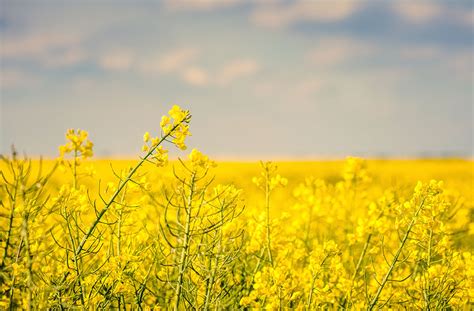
(175, 60)
(116, 61)
(200, 5)
(422, 11)
(50, 49)
(209, 5)
(180, 62)
(418, 11)
(184, 64)
(236, 69)
(195, 76)
(280, 15)
(65, 58)
(46, 48)
(334, 51)
(223, 76)
(34, 44)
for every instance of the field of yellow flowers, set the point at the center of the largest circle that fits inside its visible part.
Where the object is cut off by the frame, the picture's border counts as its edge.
(79, 233)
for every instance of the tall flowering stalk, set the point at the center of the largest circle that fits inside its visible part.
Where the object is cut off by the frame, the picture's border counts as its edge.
(267, 182)
(201, 245)
(25, 196)
(174, 127)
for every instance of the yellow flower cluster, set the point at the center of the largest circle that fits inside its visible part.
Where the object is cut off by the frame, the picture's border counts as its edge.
(269, 178)
(199, 160)
(355, 170)
(78, 144)
(176, 125)
(160, 155)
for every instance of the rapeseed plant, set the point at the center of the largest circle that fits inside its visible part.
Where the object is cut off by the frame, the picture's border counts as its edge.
(163, 234)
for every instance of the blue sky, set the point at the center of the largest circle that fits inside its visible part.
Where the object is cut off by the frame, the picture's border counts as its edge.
(263, 78)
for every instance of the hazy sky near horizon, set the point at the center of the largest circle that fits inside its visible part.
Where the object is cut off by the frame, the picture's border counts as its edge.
(263, 78)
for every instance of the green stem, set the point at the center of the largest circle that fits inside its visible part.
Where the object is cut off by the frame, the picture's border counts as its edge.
(310, 296)
(12, 289)
(74, 170)
(29, 264)
(75, 258)
(122, 184)
(356, 271)
(267, 206)
(10, 224)
(426, 293)
(395, 259)
(214, 266)
(210, 282)
(119, 226)
(185, 249)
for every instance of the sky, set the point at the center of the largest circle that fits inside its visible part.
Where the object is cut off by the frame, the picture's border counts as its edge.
(263, 79)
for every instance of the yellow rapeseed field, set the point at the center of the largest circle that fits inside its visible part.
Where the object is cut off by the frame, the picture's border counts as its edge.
(152, 234)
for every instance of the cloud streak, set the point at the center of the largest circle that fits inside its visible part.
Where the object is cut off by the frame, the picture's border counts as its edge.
(184, 63)
(277, 15)
(199, 5)
(35, 43)
(420, 12)
(236, 69)
(176, 60)
(337, 51)
(117, 61)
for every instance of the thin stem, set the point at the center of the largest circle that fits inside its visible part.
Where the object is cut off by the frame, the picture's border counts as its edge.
(17, 258)
(308, 227)
(214, 267)
(210, 281)
(426, 293)
(119, 226)
(356, 271)
(184, 251)
(122, 184)
(29, 263)
(395, 259)
(75, 258)
(74, 170)
(267, 206)
(10, 223)
(310, 296)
